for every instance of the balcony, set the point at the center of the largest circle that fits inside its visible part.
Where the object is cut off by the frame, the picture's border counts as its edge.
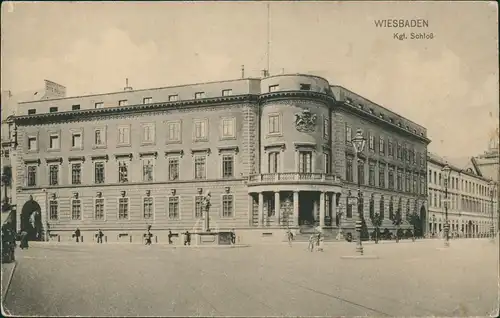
(294, 177)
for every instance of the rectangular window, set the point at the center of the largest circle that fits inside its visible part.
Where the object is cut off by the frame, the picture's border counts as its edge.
(198, 208)
(147, 208)
(305, 87)
(348, 134)
(54, 142)
(123, 102)
(391, 178)
(390, 147)
(361, 172)
(53, 175)
(99, 105)
(371, 174)
(99, 209)
(76, 209)
(326, 128)
(228, 127)
(99, 139)
(381, 176)
(305, 162)
(76, 173)
(200, 167)
(399, 152)
(147, 100)
(274, 124)
(76, 140)
(348, 171)
(123, 207)
(75, 107)
(227, 205)
(122, 172)
(99, 172)
(349, 211)
(32, 143)
(371, 142)
(173, 208)
(227, 92)
(273, 88)
(147, 170)
(31, 176)
(199, 95)
(227, 166)
(273, 162)
(173, 131)
(399, 181)
(173, 98)
(31, 111)
(148, 133)
(200, 129)
(327, 162)
(381, 145)
(173, 168)
(53, 110)
(53, 208)
(124, 135)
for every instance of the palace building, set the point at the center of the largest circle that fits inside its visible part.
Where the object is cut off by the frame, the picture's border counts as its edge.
(471, 199)
(275, 153)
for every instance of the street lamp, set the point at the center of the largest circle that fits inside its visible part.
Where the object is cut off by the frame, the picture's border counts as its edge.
(492, 227)
(358, 143)
(340, 213)
(447, 171)
(433, 227)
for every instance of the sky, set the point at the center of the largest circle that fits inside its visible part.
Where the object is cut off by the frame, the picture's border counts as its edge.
(448, 84)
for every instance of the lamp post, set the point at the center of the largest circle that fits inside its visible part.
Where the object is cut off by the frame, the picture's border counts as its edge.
(358, 143)
(433, 227)
(492, 227)
(340, 213)
(206, 210)
(447, 171)
(46, 227)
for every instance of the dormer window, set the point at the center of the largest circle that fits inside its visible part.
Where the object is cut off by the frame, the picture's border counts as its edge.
(173, 98)
(372, 111)
(53, 109)
(273, 88)
(227, 92)
(99, 105)
(392, 121)
(381, 116)
(75, 107)
(199, 95)
(147, 100)
(360, 106)
(123, 102)
(305, 87)
(31, 111)
(407, 128)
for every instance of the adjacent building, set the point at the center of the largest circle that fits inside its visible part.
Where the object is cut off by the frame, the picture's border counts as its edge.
(274, 152)
(8, 111)
(470, 198)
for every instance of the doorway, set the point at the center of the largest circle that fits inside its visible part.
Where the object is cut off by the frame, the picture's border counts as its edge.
(307, 208)
(31, 221)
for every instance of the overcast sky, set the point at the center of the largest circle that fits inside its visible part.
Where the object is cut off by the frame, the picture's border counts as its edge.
(448, 84)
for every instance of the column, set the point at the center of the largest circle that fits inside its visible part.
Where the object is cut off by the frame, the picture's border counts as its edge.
(296, 208)
(333, 208)
(261, 209)
(277, 206)
(322, 209)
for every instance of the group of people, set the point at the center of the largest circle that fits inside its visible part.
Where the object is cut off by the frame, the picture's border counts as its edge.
(316, 241)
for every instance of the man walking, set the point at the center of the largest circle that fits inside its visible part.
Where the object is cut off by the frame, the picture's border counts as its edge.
(187, 238)
(99, 236)
(77, 235)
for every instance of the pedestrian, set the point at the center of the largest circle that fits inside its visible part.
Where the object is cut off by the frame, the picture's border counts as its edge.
(99, 236)
(77, 235)
(170, 237)
(148, 236)
(312, 240)
(24, 240)
(187, 238)
(320, 242)
(290, 237)
(233, 237)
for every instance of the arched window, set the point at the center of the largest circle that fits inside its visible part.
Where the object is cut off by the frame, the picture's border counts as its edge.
(382, 206)
(391, 209)
(408, 206)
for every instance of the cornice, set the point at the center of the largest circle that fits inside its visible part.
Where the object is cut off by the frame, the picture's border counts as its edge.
(30, 161)
(123, 155)
(377, 120)
(287, 95)
(309, 145)
(280, 145)
(78, 158)
(179, 152)
(100, 157)
(86, 114)
(201, 150)
(228, 148)
(148, 154)
(55, 159)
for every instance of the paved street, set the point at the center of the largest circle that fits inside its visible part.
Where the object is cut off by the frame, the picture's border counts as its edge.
(416, 279)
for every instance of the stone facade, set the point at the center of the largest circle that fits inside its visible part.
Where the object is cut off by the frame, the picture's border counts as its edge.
(274, 153)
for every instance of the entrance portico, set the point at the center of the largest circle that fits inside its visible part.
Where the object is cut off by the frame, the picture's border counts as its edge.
(292, 204)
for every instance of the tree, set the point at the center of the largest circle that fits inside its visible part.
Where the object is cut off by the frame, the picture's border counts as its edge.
(377, 222)
(6, 182)
(417, 224)
(397, 220)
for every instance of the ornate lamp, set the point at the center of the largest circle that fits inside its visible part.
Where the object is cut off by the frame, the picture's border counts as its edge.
(359, 141)
(446, 170)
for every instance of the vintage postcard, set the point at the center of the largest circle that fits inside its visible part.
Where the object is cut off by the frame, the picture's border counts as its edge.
(250, 158)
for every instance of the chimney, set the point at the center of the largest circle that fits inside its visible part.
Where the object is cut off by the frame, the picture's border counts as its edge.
(243, 71)
(127, 88)
(283, 71)
(265, 73)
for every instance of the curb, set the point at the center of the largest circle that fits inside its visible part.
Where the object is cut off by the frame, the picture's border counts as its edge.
(4, 291)
(165, 245)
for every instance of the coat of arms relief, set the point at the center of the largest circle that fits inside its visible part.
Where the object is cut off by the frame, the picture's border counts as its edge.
(305, 121)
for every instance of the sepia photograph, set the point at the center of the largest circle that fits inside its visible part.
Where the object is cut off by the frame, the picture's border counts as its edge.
(250, 159)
